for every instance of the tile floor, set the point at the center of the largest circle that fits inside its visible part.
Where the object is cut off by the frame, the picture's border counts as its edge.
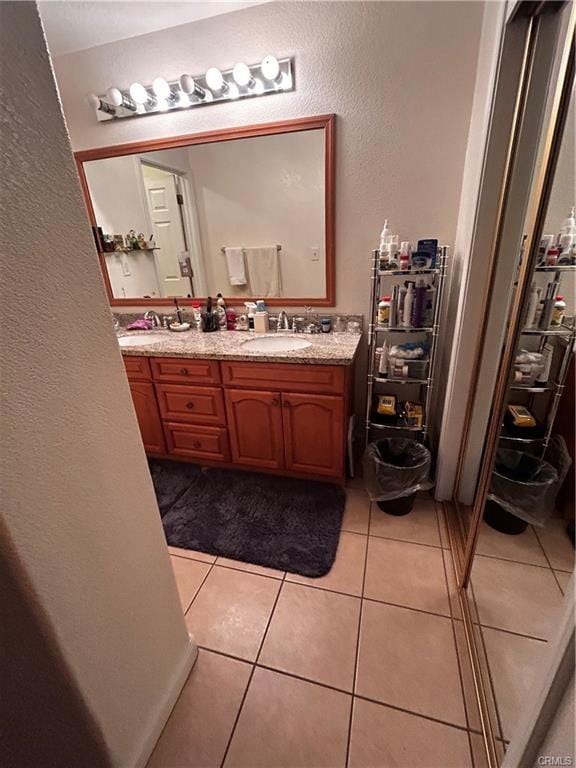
(518, 583)
(359, 668)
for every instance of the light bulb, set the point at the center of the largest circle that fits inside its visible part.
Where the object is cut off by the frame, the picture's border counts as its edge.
(117, 98)
(242, 75)
(270, 68)
(139, 93)
(215, 80)
(184, 100)
(190, 86)
(233, 92)
(96, 103)
(161, 88)
(258, 87)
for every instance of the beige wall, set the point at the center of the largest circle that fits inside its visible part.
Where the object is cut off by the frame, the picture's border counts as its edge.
(99, 635)
(399, 76)
(263, 191)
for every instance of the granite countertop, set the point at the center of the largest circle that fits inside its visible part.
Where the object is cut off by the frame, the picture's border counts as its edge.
(325, 349)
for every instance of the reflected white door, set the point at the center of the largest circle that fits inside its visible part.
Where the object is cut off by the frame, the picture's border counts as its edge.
(168, 231)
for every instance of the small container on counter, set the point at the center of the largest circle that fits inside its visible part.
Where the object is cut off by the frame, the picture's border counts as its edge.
(326, 324)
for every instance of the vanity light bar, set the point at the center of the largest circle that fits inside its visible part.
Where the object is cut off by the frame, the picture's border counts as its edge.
(271, 75)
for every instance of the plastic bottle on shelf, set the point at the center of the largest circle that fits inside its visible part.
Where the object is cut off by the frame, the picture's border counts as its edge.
(408, 304)
(384, 310)
(405, 255)
(419, 304)
(533, 302)
(384, 235)
(559, 311)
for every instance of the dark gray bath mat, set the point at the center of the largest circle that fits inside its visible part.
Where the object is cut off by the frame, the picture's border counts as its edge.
(278, 522)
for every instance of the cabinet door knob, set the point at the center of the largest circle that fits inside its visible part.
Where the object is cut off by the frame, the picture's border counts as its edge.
(184, 371)
(189, 406)
(275, 401)
(287, 403)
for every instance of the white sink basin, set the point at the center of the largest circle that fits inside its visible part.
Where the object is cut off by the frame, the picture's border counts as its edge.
(275, 344)
(141, 340)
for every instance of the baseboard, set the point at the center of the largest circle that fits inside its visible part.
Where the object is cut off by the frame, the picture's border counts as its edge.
(166, 703)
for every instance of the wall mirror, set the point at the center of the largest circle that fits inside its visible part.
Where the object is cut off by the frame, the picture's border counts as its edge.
(246, 212)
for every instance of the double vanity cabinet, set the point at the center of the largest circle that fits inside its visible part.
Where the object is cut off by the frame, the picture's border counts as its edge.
(284, 418)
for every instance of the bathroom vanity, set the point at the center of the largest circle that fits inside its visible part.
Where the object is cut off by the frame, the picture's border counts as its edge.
(203, 399)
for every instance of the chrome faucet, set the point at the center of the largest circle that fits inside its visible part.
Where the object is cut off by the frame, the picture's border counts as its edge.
(154, 317)
(283, 323)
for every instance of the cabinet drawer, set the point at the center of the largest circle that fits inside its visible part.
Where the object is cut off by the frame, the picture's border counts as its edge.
(137, 368)
(197, 442)
(182, 369)
(195, 405)
(328, 379)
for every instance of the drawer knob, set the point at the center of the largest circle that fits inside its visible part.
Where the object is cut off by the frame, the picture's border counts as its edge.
(189, 406)
(197, 444)
(184, 371)
(275, 401)
(287, 403)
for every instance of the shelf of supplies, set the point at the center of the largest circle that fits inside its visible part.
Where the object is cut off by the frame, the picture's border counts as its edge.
(400, 329)
(534, 390)
(404, 427)
(393, 380)
(562, 330)
(522, 439)
(404, 272)
(561, 268)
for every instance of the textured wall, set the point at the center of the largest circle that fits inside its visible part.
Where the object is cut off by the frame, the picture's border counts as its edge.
(78, 508)
(399, 75)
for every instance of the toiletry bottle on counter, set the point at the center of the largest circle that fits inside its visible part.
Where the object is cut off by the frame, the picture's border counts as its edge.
(260, 318)
(251, 308)
(231, 319)
(408, 304)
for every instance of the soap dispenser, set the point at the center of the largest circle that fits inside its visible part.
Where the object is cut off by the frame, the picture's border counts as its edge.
(260, 318)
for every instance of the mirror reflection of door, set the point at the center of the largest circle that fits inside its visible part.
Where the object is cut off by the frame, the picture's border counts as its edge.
(165, 203)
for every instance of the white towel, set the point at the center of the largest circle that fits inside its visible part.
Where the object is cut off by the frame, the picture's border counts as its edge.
(235, 264)
(264, 271)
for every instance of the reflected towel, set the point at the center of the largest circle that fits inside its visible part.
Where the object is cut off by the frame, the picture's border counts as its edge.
(235, 264)
(264, 271)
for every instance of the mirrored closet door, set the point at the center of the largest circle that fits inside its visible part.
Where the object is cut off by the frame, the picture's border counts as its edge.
(515, 540)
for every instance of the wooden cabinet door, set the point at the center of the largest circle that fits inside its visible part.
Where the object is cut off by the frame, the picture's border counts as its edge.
(255, 428)
(314, 434)
(148, 416)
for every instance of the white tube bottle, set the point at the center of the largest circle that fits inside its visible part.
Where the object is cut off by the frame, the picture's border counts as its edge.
(407, 310)
(533, 302)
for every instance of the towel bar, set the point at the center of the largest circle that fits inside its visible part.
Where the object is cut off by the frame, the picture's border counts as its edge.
(223, 249)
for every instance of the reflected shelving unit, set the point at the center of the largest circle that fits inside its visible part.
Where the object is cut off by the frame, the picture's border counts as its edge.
(378, 383)
(543, 399)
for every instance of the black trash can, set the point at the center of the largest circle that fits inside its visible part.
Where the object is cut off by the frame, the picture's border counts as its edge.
(398, 507)
(519, 486)
(395, 469)
(501, 520)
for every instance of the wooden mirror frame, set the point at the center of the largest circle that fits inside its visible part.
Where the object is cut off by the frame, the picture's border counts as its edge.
(324, 122)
